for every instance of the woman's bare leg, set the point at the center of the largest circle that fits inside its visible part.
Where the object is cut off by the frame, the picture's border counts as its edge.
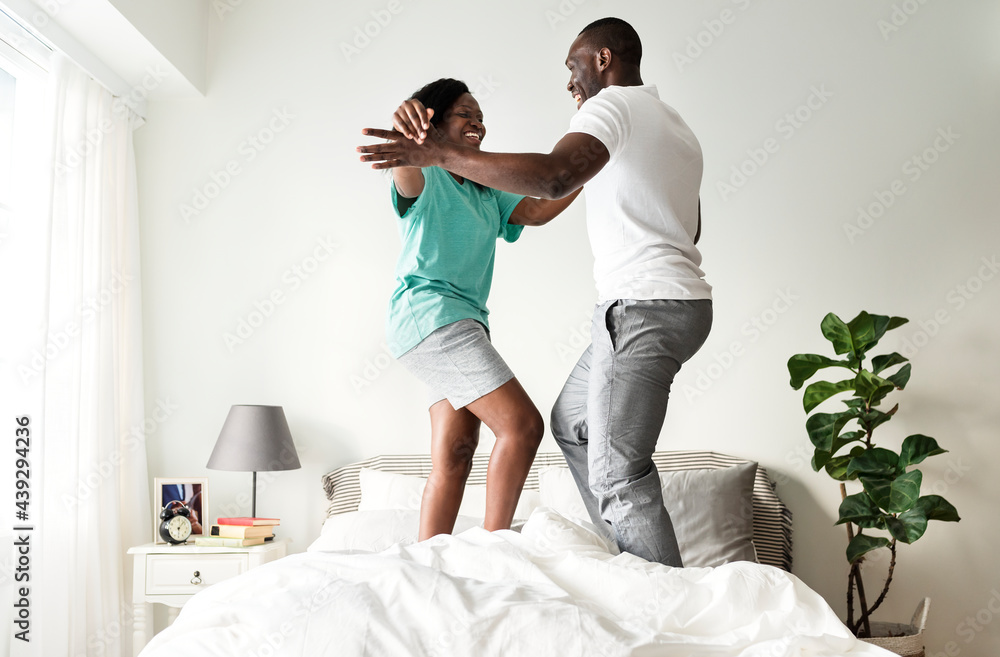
(454, 437)
(518, 427)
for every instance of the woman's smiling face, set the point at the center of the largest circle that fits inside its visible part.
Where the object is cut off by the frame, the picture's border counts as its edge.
(463, 122)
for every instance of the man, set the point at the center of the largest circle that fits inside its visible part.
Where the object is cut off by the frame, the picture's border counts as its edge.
(642, 168)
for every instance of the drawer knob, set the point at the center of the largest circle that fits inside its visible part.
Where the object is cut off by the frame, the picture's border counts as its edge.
(197, 578)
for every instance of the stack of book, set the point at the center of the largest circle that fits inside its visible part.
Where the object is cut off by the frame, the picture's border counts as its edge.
(239, 532)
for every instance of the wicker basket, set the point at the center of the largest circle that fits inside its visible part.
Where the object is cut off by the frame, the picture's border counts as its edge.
(905, 640)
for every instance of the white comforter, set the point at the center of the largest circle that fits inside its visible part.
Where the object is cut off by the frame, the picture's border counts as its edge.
(552, 590)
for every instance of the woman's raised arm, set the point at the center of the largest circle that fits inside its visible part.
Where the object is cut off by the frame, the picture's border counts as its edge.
(538, 211)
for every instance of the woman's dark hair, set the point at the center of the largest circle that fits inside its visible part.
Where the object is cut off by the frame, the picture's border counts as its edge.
(440, 95)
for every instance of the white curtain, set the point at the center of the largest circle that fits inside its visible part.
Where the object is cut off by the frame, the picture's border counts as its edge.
(90, 480)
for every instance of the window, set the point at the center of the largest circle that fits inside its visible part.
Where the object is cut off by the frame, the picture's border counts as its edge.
(23, 63)
(25, 135)
(7, 85)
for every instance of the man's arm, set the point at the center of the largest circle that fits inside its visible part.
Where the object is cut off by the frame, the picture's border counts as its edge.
(576, 159)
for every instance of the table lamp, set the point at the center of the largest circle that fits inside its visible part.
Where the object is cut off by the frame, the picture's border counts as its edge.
(254, 439)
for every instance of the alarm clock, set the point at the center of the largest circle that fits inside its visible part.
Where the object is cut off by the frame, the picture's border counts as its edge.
(175, 526)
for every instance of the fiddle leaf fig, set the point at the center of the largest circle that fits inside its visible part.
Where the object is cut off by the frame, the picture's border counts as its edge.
(872, 388)
(880, 363)
(908, 526)
(836, 467)
(860, 510)
(817, 393)
(916, 448)
(803, 366)
(890, 499)
(862, 544)
(824, 428)
(876, 462)
(836, 331)
(873, 418)
(900, 378)
(935, 507)
(894, 495)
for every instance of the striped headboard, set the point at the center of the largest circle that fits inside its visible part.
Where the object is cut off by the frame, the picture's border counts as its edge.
(772, 521)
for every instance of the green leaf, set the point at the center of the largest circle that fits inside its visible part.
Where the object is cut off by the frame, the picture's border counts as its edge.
(875, 417)
(935, 507)
(908, 526)
(862, 330)
(854, 402)
(911, 524)
(823, 428)
(880, 363)
(900, 378)
(820, 458)
(916, 448)
(802, 367)
(860, 510)
(846, 438)
(862, 544)
(836, 467)
(836, 331)
(875, 462)
(881, 324)
(894, 495)
(819, 392)
(872, 387)
(896, 322)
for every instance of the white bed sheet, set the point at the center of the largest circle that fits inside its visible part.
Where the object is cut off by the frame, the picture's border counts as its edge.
(552, 589)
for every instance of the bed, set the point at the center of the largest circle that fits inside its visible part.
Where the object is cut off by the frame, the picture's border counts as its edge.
(553, 585)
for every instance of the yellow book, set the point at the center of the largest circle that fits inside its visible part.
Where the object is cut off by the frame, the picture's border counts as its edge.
(242, 531)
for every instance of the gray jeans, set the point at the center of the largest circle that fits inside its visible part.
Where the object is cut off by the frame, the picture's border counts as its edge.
(608, 416)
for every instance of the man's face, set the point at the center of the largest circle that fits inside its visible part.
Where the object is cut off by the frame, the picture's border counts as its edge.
(584, 77)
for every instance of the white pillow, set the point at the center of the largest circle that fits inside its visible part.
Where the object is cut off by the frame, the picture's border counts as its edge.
(388, 490)
(374, 531)
(711, 509)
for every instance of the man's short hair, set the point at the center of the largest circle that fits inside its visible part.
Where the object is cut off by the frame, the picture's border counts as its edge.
(617, 36)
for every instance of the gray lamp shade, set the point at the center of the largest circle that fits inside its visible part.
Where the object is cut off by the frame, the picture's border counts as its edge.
(255, 439)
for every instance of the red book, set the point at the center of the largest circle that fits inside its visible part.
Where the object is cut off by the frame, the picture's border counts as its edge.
(248, 521)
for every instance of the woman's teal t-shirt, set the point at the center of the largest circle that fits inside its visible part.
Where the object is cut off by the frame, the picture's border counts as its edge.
(445, 269)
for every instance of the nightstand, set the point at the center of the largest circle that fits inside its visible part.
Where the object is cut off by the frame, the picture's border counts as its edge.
(171, 574)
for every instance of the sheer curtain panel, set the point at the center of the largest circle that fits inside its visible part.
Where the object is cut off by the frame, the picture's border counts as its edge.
(90, 499)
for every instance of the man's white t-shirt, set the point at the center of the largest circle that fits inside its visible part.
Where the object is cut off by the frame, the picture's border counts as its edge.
(642, 208)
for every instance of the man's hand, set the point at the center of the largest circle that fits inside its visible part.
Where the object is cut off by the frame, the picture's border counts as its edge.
(401, 151)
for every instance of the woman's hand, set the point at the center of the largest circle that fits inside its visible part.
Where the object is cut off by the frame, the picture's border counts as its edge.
(413, 120)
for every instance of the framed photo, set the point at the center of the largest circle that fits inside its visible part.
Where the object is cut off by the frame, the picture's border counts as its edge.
(193, 492)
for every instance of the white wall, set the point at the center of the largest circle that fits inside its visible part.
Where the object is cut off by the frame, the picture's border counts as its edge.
(277, 70)
(178, 29)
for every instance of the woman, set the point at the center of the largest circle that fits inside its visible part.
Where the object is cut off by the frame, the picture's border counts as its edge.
(437, 320)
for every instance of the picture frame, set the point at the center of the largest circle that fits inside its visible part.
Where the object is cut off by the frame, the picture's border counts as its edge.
(193, 491)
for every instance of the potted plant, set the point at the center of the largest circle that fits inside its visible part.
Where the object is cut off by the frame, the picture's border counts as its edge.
(889, 508)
